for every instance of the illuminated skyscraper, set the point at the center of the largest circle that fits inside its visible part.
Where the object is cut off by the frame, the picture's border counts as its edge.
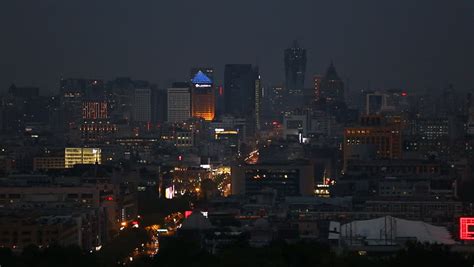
(295, 68)
(202, 93)
(94, 125)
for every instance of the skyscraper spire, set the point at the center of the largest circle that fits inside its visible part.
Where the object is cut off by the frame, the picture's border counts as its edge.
(331, 73)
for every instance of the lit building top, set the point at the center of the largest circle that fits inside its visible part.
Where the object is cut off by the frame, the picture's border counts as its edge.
(201, 78)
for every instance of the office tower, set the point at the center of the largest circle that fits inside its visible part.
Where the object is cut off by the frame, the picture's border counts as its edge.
(331, 87)
(202, 93)
(295, 68)
(179, 103)
(142, 105)
(240, 92)
(73, 92)
(94, 124)
(374, 138)
(159, 105)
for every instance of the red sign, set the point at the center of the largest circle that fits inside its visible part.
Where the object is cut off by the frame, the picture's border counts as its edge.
(187, 213)
(466, 228)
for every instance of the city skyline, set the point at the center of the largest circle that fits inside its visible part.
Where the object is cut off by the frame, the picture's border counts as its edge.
(119, 39)
(184, 133)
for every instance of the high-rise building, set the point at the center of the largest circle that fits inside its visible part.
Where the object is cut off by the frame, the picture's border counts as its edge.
(331, 87)
(178, 103)
(142, 105)
(159, 105)
(94, 125)
(202, 93)
(242, 91)
(295, 68)
(74, 92)
(374, 138)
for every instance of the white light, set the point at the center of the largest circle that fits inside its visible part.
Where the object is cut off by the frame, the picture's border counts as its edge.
(202, 85)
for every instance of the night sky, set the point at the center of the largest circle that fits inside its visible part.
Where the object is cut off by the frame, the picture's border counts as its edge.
(411, 44)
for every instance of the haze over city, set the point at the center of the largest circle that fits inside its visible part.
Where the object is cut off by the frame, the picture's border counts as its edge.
(401, 44)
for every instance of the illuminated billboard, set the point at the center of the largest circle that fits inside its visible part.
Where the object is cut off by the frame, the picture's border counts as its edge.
(170, 192)
(466, 228)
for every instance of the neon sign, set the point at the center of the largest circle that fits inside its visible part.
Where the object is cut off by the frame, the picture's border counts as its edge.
(466, 228)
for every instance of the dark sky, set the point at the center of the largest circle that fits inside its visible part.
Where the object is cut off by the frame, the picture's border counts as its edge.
(403, 43)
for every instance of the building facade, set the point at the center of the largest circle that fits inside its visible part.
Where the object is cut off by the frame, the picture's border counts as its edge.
(179, 105)
(78, 155)
(203, 94)
(142, 105)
